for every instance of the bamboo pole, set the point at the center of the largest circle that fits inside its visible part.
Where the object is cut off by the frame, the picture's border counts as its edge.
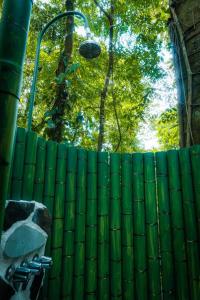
(190, 223)
(139, 229)
(69, 225)
(178, 234)
(58, 221)
(79, 267)
(115, 227)
(29, 165)
(48, 198)
(13, 36)
(152, 227)
(18, 164)
(103, 227)
(165, 227)
(127, 229)
(91, 228)
(195, 159)
(40, 170)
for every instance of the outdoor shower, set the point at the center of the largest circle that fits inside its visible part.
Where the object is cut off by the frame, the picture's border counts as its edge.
(89, 49)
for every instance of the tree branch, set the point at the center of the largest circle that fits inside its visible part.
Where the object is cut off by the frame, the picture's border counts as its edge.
(102, 10)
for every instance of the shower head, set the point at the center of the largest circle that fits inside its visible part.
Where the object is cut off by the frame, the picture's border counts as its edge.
(90, 49)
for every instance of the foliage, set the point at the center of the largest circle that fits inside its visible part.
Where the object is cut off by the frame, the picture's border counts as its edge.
(167, 129)
(139, 30)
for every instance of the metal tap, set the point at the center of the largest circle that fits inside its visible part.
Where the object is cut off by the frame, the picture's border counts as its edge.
(45, 261)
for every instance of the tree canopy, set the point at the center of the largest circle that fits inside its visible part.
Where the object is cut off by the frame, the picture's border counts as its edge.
(132, 54)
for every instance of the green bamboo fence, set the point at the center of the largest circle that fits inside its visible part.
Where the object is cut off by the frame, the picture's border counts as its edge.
(124, 226)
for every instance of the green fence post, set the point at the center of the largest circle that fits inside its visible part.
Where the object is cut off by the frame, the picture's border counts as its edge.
(190, 219)
(153, 253)
(91, 229)
(39, 170)
(79, 262)
(139, 230)
(178, 234)
(165, 226)
(127, 229)
(69, 225)
(14, 27)
(103, 227)
(115, 227)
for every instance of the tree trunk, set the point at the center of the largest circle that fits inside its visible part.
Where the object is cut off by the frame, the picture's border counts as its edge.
(104, 92)
(185, 37)
(57, 132)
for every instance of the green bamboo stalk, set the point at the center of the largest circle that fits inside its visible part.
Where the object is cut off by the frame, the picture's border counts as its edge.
(13, 37)
(48, 201)
(69, 224)
(29, 166)
(190, 223)
(91, 228)
(79, 267)
(40, 170)
(103, 227)
(53, 289)
(154, 279)
(139, 229)
(115, 226)
(127, 229)
(195, 159)
(165, 227)
(18, 164)
(181, 273)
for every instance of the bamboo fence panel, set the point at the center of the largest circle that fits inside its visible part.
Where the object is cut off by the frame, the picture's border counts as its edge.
(125, 226)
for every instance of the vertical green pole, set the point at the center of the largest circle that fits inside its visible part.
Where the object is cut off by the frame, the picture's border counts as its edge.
(18, 164)
(14, 26)
(139, 229)
(103, 227)
(49, 194)
(165, 227)
(127, 229)
(69, 225)
(40, 170)
(190, 223)
(181, 276)
(152, 228)
(91, 228)
(115, 226)
(195, 158)
(29, 166)
(79, 266)
(54, 290)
